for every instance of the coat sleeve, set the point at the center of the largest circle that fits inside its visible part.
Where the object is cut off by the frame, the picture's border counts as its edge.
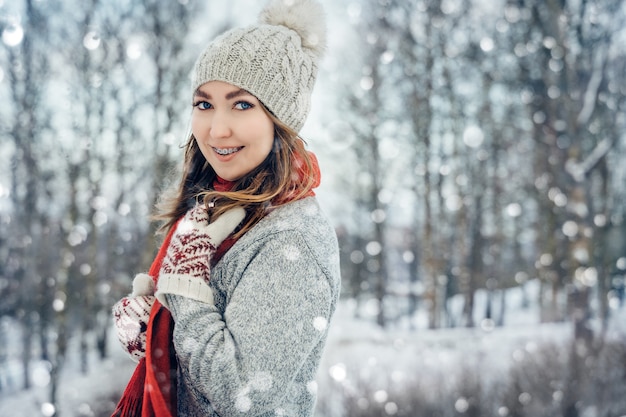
(244, 361)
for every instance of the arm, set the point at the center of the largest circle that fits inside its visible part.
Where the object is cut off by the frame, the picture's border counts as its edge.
(243, 362)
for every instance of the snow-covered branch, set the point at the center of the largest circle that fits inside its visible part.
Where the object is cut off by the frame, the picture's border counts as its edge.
(579, 170)
(591, 93)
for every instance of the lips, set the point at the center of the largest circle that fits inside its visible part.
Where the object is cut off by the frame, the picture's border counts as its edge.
(227, 151)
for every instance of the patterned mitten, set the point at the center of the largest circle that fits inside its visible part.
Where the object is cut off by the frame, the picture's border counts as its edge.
(131, 315)
(186, 266)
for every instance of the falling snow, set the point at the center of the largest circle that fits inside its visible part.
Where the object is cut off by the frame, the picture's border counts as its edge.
(471, 156)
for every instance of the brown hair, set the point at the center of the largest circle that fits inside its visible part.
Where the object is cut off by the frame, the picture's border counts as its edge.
(285, 175)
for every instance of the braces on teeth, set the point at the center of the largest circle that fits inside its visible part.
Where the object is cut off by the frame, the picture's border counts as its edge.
(226, 151)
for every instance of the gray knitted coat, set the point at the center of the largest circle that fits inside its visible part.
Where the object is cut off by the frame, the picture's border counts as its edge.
(257, 350)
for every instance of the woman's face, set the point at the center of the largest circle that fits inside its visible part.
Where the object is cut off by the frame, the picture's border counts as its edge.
(232, 130)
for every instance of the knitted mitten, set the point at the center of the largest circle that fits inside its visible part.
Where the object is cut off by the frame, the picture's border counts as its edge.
(186, 265)
(131, 315)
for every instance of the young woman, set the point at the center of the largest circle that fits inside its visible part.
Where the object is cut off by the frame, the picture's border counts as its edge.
(232, 318)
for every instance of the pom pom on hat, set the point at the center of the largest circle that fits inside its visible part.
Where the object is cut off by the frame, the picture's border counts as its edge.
(275, 60)
(305, 17)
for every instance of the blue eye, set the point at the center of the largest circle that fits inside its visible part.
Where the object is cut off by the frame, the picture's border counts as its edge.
(243, 105)
(202, 105)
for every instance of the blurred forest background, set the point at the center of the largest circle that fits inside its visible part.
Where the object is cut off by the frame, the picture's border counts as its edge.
(465, 145)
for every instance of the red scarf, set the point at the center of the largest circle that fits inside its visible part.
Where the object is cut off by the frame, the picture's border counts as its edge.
(139, 398)
(151, 391)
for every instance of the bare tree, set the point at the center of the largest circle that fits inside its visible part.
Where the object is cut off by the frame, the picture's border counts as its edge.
(27, 70)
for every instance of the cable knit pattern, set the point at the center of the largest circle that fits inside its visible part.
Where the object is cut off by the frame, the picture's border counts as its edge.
(256, 351)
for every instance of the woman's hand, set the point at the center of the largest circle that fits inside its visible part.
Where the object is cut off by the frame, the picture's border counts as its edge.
(186, 268)
(131, 315)
(195, 241)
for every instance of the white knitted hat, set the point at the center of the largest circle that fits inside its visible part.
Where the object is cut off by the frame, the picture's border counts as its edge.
(275, 60)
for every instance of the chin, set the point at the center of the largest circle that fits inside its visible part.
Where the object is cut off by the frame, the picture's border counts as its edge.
(228, 177)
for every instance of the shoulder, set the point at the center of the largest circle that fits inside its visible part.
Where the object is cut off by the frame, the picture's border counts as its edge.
(303, 216)
(294, 246)
(301, 223)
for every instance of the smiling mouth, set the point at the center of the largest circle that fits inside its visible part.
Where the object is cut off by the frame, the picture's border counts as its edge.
(227, 151)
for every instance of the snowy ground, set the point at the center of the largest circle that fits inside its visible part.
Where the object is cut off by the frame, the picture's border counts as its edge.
(357, 350)
(79, 395)
(361, 356)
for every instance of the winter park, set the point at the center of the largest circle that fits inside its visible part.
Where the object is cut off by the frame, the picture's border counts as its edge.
(471, 156)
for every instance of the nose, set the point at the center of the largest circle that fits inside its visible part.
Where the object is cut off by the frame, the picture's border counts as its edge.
(220, 126)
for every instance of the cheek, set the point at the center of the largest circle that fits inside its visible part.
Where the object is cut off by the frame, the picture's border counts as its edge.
(195, 125)
(206, 152)
(268, 137)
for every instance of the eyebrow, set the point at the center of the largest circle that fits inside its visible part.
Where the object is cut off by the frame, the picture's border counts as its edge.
(229, 96)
